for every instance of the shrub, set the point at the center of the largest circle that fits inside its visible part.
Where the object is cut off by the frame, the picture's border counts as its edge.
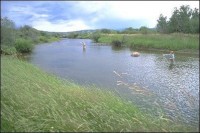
(52, 39)
(23, 46)
(96, 37)
(36, 41)
(43, 39)
(116, 43)
(72, 35)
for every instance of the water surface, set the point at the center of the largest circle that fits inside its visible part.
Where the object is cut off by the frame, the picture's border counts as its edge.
(149, 81)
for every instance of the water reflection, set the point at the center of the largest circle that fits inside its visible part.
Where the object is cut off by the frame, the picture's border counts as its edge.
(171, 65)
(117, 48)
(84, 49)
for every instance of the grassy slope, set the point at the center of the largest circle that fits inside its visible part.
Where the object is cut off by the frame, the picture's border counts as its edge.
(32, 100)
(157, 41)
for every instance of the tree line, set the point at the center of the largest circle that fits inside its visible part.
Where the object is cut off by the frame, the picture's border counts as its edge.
(183, 20)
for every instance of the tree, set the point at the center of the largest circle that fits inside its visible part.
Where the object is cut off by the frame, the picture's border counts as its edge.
(106, 31)
(185, 14)
(5, 22)
(162, 25)
(174, 23)
(7, 32)
(72, 35)
(129, 30)
(182, 20)
(27, 32)
(96, 36)
(194, 22)
(143, 30)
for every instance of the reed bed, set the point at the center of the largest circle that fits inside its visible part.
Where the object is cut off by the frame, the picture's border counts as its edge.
(175, 41)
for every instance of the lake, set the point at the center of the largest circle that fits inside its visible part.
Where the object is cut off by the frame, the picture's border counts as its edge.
(149, 81)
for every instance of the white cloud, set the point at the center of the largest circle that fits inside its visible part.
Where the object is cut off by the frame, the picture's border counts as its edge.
(60, 26)
(145, 10)
(27, 10)
(90, 6)
(82, 15)
(133, 10)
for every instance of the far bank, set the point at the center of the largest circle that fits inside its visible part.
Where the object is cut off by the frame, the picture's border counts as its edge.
(180, 43)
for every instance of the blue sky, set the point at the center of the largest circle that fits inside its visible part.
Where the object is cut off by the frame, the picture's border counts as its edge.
(64, 16)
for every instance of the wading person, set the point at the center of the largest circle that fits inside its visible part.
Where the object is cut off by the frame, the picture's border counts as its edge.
(170, 56)
(84, 45)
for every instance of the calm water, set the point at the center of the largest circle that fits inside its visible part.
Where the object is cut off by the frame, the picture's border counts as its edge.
(149, 81)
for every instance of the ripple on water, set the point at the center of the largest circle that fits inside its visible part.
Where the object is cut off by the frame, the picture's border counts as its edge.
(175, 87)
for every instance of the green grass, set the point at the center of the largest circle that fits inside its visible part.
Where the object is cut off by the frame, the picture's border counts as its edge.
(8, 50)
(32, 100)
(157, 41)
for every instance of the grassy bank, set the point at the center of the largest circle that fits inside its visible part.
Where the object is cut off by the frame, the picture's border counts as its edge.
(176, 42)
(32, 100)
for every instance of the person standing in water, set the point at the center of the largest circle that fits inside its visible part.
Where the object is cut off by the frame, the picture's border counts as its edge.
(84, 45)
(171, 56)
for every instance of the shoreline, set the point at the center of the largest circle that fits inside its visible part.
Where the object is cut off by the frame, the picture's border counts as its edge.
(71, 101)
(187, 52)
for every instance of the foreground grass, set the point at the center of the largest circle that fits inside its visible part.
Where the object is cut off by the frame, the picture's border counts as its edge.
(32, 100)
(158, 41)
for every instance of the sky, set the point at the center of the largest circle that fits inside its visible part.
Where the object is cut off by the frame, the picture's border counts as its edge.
(66, 16)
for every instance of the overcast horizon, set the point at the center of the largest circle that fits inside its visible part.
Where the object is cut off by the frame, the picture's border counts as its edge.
(66, 16)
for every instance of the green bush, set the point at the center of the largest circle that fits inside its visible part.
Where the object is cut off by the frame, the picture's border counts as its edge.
(23, 46)
(72, 35)
(96, 37)
(43, 39)
(52, 39)
(116, 43)
(36, 41)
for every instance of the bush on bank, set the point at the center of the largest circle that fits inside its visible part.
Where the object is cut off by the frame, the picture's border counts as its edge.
(23, 46)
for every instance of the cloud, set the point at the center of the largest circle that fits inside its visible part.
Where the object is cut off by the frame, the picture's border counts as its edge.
(60, 26)
(71, 15)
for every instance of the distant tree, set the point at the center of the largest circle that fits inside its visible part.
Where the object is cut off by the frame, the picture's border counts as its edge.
(72, 35)
(185, 14)
(42, 33)
(184, 20)
(57, 35)
(143, 29)
(194, 22)
(174, 22)
(7, 32)
(162, 25)
(129, 30)
(106, 31)
(5, 22)
(27, 32)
